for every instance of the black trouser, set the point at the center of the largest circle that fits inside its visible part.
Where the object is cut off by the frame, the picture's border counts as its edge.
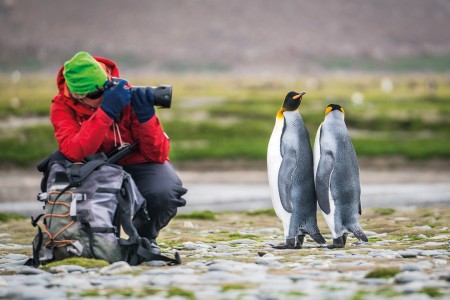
(162, 189)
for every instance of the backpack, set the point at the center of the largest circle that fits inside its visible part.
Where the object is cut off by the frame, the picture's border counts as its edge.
(91, 210)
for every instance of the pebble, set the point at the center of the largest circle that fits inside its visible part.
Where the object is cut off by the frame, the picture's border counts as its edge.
(116, 268)
(67, 269)
(401, 219)
(408, 254)
(424, 227)
(247, 269)
(405, 277)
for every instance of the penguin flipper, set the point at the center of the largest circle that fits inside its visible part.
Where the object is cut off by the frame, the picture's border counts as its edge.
(287, 168)
(323, 175)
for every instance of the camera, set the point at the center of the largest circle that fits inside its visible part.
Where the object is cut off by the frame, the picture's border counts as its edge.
(162, 93)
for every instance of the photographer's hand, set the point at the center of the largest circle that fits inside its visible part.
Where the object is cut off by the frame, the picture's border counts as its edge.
(115, 99)
(143, 104)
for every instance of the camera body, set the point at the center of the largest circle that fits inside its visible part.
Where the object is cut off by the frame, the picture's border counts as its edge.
(162, 93)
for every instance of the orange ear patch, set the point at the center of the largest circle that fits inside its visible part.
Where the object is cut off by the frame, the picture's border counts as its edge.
(280, 114)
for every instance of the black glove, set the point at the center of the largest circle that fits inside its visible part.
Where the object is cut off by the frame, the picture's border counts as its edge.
(143, 104)
(115, 99)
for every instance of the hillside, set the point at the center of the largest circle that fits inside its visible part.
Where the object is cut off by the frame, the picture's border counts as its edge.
(228, 36)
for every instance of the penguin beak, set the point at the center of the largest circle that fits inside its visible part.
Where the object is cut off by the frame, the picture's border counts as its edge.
(299, 96)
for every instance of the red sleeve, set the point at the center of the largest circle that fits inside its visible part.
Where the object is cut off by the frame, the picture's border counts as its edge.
(76, 140)
(154, 144)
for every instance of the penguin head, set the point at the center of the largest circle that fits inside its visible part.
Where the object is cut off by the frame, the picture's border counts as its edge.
(332, 107)
(291, 102)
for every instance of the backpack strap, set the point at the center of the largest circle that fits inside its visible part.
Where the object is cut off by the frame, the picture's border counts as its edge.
(78, 172)
(36, 248)
(144, 252)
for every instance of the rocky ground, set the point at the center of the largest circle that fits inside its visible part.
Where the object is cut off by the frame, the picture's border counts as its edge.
(230, 256)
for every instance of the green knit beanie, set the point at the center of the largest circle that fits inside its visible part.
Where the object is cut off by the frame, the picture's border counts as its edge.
(84, 74)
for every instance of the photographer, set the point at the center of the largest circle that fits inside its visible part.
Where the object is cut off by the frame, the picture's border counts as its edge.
(91, 115)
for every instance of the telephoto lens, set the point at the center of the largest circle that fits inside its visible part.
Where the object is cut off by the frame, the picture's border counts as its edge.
(162, 93)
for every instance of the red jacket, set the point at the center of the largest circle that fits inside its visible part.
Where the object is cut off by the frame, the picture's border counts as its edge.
(81, 131)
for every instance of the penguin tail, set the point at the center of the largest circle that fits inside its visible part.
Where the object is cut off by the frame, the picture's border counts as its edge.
(315, 235)
(318, 238)
(358, 233)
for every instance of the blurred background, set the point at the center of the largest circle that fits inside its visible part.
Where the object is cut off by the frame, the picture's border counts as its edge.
(231, 63)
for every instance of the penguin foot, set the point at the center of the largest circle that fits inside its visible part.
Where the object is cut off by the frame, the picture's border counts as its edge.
(299, 242)
(339, 242)
(290, 244)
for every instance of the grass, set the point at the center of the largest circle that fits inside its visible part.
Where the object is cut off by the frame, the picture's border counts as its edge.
(223, 117)
(6, 217)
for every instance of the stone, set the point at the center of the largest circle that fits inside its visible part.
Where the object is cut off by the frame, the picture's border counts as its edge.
(424, 227)
(26, 270)
(67, 269)
(13, 260)
(408, 254)
(405, 277)
(116, 268)
(156, 263)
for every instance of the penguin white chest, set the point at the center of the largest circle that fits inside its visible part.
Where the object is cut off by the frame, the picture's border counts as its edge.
(274, 160)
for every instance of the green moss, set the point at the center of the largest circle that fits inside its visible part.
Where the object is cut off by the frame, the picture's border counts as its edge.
(432, 292)
(148, 291)
(359, 295)
(415, 237)
(175, 291)
(79, 261)
(384, 211)
(233, 286)
(198, 215)
(269, 212)
(383, 273)
(374, 239)
(237, 236)
(297, 294)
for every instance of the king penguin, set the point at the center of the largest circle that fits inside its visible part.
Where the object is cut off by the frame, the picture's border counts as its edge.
(336, 174)
(291, 175)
